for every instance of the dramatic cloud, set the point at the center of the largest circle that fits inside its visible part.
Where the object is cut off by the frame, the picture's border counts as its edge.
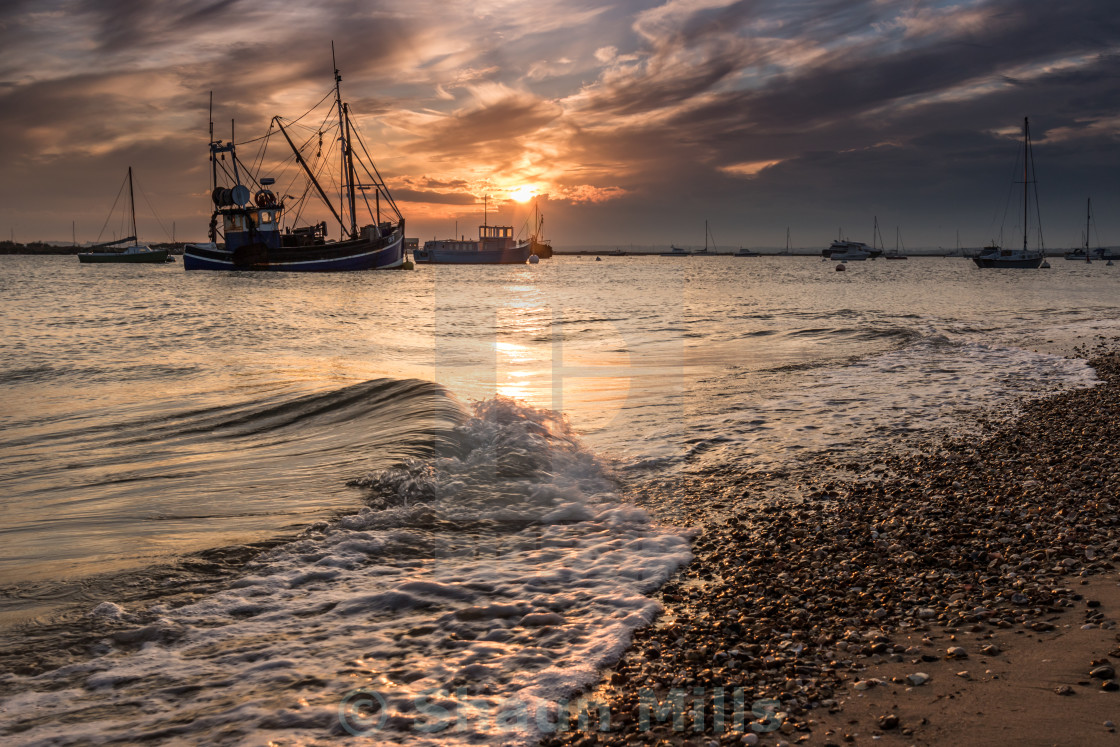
(638, 119)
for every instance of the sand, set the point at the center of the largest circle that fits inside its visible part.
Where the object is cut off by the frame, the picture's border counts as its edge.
(988, 564)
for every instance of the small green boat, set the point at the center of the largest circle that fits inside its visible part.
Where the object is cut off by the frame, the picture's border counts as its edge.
(120, 250)
(133, 253)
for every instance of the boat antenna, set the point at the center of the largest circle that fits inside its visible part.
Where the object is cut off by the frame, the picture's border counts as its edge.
(232, 138)
(213, 157)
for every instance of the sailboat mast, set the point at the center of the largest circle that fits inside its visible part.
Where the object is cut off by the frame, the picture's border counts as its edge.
(1088, 214)
(132, 205)
(1026, 176)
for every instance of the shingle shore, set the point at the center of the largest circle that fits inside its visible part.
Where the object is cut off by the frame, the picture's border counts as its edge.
(789, 602)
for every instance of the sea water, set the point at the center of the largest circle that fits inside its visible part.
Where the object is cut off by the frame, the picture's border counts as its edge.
(426, 507)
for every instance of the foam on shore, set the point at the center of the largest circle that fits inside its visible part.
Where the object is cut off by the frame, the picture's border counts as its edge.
(536, 577)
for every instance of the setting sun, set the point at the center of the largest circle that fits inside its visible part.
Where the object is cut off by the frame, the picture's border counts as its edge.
(522, 194)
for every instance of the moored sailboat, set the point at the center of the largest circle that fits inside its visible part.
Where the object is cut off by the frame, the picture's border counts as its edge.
(1082, 253)
(898, 252)
(1025, 258)
(121, 251)
(251, 222)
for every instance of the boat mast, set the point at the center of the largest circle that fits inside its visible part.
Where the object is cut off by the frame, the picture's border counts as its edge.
(132, 205)
(1026, 177)
(350, 178)
(1088, 215)
(347, 154)
(213, 156)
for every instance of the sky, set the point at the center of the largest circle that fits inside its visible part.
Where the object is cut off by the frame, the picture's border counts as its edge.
(627, 123)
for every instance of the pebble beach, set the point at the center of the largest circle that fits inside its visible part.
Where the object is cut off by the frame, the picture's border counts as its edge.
(955, 593)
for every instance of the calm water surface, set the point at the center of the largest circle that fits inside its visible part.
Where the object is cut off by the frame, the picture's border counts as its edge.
(400, 425)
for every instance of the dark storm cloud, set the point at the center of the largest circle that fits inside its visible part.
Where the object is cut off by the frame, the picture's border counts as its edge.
(899, 114)
(438, 198)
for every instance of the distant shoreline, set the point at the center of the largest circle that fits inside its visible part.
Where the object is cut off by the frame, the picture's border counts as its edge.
(38, 247)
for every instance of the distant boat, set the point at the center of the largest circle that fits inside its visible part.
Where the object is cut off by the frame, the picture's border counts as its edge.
(748, 253)
(1025, 258)
(854, 250)
(897, 253)
(675, 251)
(251, 224)
(496, 245)
(121, 250)
(538, 245)
(1082, 253)
(705, 252)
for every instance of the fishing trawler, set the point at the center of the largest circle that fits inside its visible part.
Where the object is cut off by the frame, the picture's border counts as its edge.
(247, 227)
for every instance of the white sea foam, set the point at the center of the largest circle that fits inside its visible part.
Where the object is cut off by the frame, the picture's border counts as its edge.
(375, 625)
(866, 406)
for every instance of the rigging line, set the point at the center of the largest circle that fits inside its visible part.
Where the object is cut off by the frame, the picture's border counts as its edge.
(1034, 178)
(267, 134)
(112, 210)
(258, 162)
(1010, 189)
(313, 108)
(301, 202)
(154, 213)
(380, 182)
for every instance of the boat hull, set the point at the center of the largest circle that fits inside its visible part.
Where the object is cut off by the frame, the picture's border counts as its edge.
(1025, 263)
(343, 256)
(158, 256)
(515, 255)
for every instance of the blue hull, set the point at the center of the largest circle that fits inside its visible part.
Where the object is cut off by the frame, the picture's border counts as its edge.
(326, 258)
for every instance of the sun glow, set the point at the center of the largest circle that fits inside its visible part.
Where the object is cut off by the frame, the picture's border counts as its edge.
(522, 194)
